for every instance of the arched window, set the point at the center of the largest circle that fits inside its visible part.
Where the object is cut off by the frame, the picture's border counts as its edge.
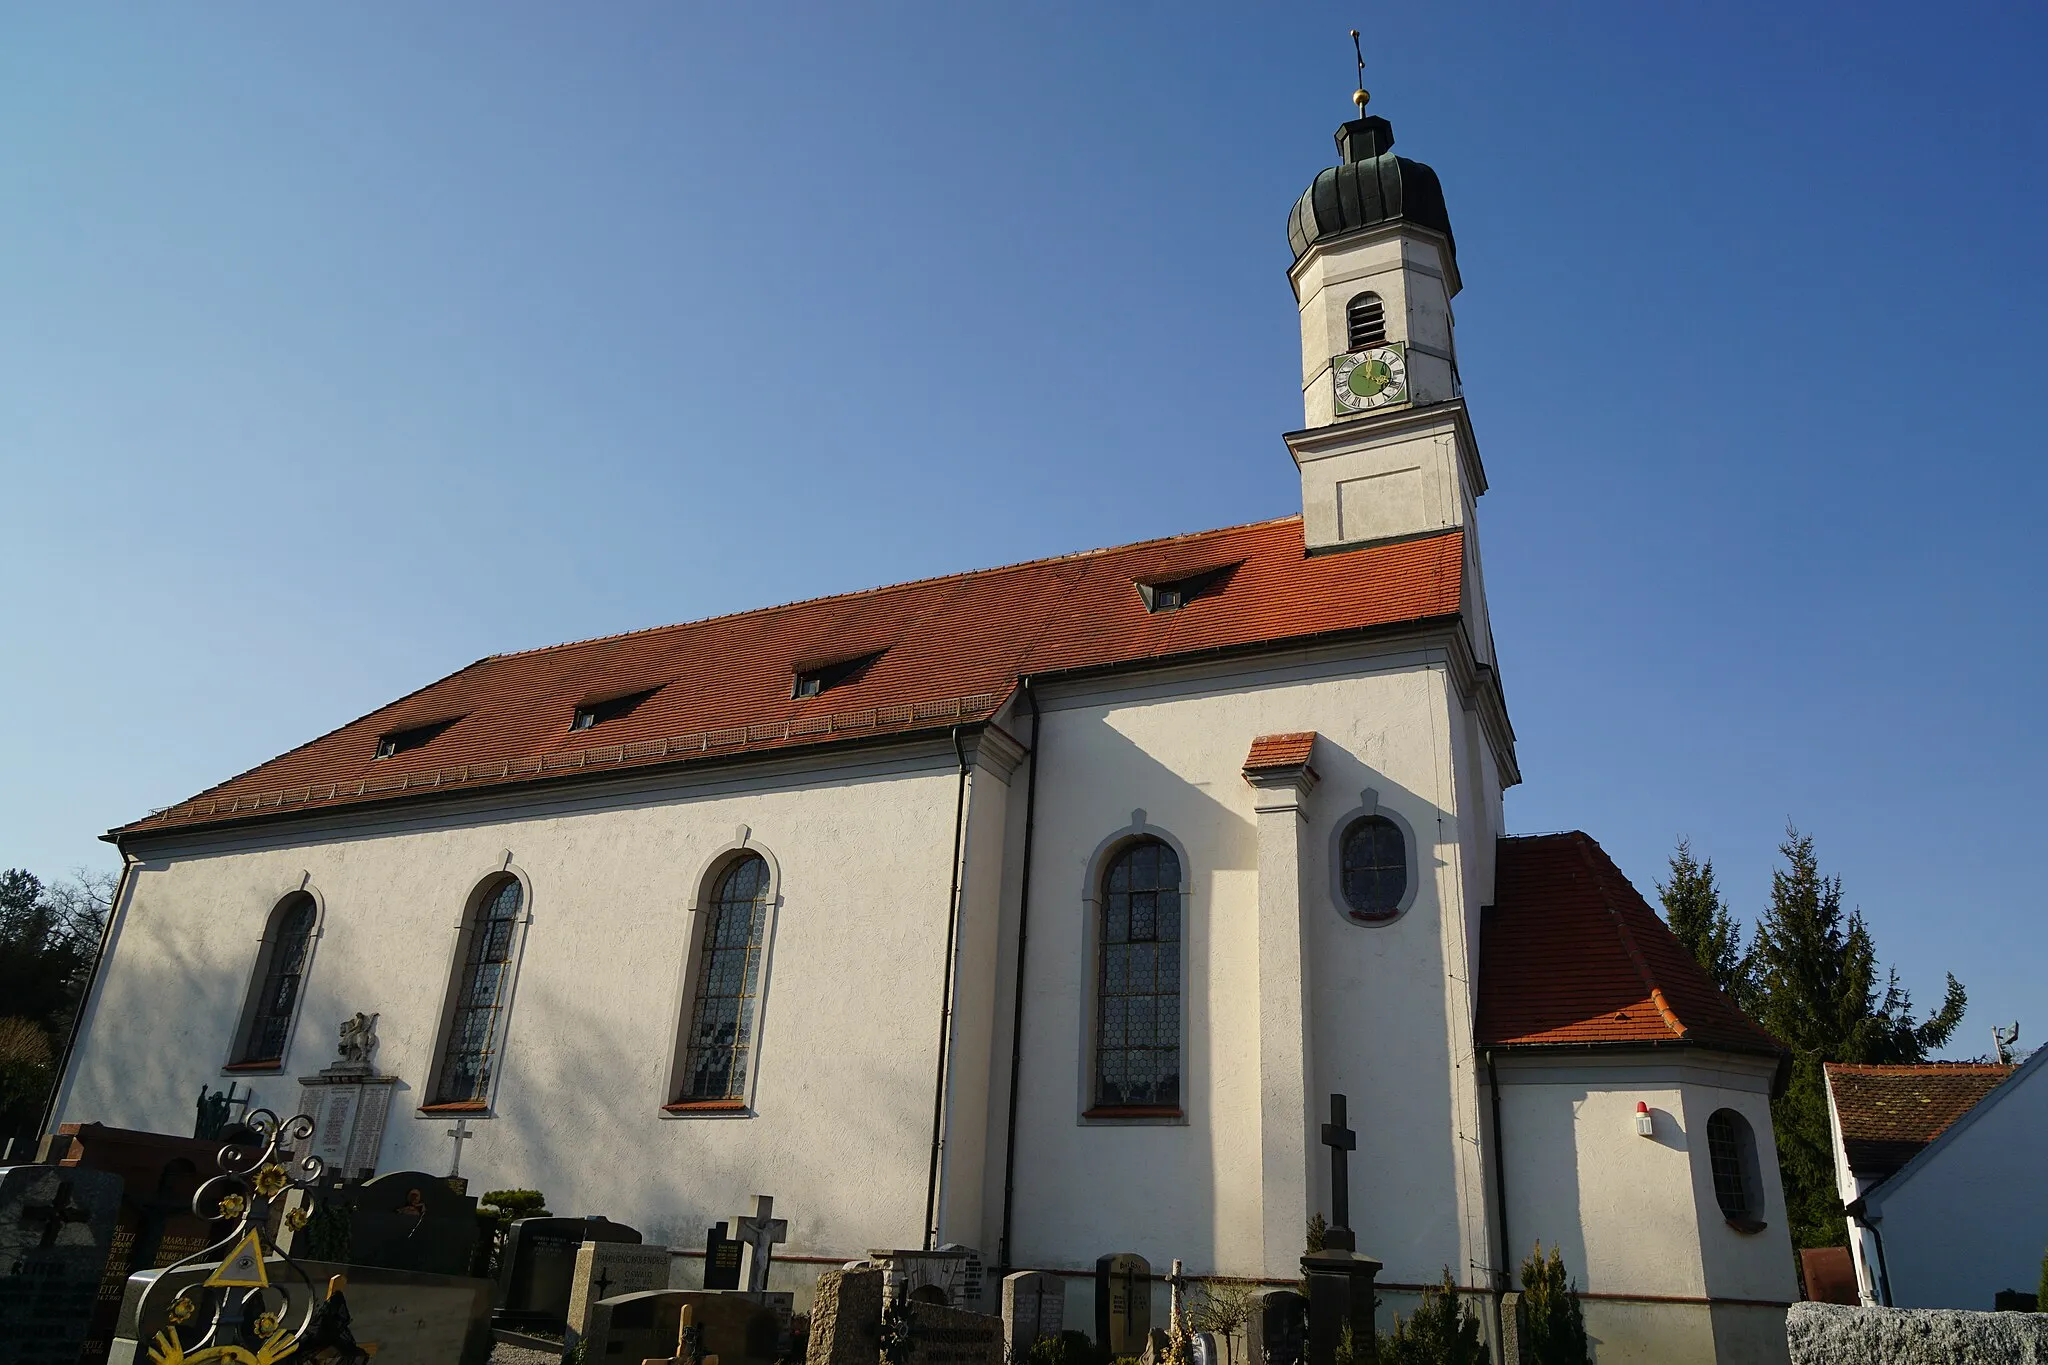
(281, 969)
(1738, 1187)
(484, 985)
(1137, 1034)
(1365, 323)
(1375, 868)
(728, 980)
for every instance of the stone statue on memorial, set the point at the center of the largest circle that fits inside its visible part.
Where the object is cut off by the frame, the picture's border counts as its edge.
(358, 1038)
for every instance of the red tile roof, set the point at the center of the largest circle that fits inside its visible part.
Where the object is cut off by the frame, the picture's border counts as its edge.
(1570, 953)
(952, 651)
(1888, 1113)
(1280, 751)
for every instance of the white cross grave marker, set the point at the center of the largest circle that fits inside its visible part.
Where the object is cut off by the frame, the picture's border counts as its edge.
(757, 1235)
(460, 1132)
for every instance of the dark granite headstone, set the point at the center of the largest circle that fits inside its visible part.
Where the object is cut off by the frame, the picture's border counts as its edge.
(1283, 1327)
(537, 1268)
(409, 1220)
(155, 1225)
(953, 1336)
(1340, 1298)
(1123, 1303)
(56, 1226)
(721, 1259)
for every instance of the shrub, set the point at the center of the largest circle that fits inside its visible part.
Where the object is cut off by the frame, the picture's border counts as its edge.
(1442, 1332)
(501, 1207)
(1556, 1323)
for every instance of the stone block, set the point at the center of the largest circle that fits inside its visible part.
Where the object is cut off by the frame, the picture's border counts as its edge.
(846, 1318)
(1832, 1334)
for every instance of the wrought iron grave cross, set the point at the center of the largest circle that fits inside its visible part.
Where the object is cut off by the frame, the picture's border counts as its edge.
(1341, 1141)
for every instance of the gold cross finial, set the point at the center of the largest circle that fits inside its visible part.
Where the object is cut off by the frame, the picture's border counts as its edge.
(1361, 95)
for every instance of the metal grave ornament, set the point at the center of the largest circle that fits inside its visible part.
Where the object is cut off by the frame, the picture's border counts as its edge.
(245, 1312)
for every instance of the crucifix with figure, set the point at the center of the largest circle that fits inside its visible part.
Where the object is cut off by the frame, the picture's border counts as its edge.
(757, 1236)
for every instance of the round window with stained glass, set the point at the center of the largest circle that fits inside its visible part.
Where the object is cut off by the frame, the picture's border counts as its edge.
(1375, 869)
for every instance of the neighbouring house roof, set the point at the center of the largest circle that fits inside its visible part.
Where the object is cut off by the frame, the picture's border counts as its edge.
(1888, 1114)
(919, 656)
(1571, 955)
(1270, 752)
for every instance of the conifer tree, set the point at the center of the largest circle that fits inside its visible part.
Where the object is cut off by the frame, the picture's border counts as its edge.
(1556, 1322)
(1816, 987)
(1696, 913)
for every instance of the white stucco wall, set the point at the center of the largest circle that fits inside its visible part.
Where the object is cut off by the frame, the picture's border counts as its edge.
(1380, 1028)
(1635, 1217)
(846, 1034)
(1969, 1215)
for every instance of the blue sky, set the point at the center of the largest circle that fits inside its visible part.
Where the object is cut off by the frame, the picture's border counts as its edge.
(341, 346)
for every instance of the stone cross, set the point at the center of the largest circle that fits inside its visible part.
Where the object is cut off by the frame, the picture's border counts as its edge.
(54, 1215)
(460, 1132)
(757, 1235)
(1176, 1285)
(1340, 1140)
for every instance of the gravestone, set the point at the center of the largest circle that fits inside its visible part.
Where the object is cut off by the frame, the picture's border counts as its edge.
(56, 1226)
(409, 1317)
(1205, 1349)
(1158, 1347)
(606, 1270)
(953, 1336)
(1514, 1328)
(349, 1103)
(537, 1268)
(721, 1259)
(1283, 1327)
(155, 1225)
(1034, 1307)
(1340, 1281)
(629, 1328)
(952, 1275)
(1123, 1303)
(409, 1220)
(846, 1318)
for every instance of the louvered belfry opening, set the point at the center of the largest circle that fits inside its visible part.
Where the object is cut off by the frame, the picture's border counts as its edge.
(1365, 323)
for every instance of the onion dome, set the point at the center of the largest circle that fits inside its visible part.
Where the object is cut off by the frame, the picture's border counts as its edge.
(1372, 187)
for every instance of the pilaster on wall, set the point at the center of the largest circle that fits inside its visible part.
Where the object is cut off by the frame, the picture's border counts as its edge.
(1280, 798)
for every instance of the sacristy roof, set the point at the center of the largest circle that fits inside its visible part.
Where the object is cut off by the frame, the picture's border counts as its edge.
(890, 661)
(1571, 955)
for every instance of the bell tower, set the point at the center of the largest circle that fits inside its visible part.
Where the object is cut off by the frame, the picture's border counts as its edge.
(1386, 449)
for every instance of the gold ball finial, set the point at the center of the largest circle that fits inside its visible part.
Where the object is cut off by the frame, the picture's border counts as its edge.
(1361, 97)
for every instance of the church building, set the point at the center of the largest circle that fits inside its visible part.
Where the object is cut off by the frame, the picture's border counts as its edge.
(1038, 909)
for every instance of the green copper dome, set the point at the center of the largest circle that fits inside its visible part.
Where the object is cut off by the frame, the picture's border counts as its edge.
(1373, 186)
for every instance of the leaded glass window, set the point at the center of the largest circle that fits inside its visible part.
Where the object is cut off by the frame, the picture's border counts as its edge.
(728, 975)
(1375, 867)
(1137, 1040)
(474, 1033)
(1731, 1151)
(284, 965)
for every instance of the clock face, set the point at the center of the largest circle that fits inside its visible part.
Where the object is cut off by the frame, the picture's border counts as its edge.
(1376, 377)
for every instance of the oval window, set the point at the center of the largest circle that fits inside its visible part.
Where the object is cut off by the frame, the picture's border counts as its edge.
(1375, 867)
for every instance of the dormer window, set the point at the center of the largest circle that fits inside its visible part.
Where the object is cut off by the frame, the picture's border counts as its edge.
(608, 708)
(814, 678)
(1171, 594)
(396, 742)
(1365, 323)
